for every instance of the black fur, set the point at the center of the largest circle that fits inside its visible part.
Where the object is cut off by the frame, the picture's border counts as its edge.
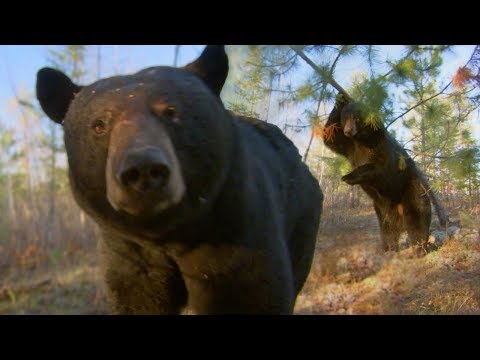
(386, 173)
(242, 238)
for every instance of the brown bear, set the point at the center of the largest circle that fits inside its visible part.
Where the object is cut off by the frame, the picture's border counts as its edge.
(197, 208)
(385, 172)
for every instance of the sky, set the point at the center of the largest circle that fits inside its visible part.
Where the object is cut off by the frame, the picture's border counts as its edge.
(23, 61)
(19, 64)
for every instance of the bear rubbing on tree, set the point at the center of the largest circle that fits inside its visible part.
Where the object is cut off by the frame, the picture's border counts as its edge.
(384, 171)
(197, 208)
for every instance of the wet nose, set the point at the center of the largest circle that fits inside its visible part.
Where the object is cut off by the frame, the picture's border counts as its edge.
(348, 132)
(143, 170)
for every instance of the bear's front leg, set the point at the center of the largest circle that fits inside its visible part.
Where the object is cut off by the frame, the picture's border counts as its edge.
(232, 280)
(362, 175)
(140, 281)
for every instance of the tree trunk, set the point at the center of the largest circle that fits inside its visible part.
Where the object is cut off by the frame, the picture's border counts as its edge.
(26, 155)
(351, 196)
(51, 209)
(308, 147)
(175, 57)
(422, 135)
(99, 61)
(322, 166)
(115, 59)
(269, 97)
(322, 163)
(312, 134)
(470, 198)
(82, 219)
(10, 200)
(437, 204)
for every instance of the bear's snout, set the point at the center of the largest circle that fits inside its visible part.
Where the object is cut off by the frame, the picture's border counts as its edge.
(143, 180)
(144, 170)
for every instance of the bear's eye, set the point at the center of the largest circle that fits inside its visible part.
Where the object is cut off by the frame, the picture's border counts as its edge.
(163, 110)
(99, 127)
(170, 112)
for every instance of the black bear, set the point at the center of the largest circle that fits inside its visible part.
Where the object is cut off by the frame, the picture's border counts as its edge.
(385, 172)
(197, 208)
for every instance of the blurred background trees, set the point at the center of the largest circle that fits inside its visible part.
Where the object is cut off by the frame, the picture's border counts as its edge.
(430, 108)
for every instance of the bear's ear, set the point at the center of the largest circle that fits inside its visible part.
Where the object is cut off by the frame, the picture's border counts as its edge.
(55, 92)
(211, 67)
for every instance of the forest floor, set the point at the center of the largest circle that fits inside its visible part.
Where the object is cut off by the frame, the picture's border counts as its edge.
(350, 275)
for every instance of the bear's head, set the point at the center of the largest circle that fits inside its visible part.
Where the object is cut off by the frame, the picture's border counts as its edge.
(146, 149)
(350, 120)
(355, 127)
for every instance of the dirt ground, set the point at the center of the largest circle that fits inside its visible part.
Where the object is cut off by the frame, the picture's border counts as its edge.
(350, 275)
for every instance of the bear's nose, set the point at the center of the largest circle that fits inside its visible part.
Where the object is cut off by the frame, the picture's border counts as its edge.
(143, 170)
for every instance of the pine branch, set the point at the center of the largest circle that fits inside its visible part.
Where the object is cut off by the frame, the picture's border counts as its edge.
(445, 142)
(420, 103)
(432, 97)
(392, 69)
(272, 64)
(327, 77)
(415, 137)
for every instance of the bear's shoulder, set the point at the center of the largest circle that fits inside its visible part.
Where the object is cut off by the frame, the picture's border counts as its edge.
(271, 133)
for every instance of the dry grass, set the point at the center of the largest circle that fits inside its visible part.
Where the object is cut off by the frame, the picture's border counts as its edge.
(62, 289)
(52, 297)
(350, 275)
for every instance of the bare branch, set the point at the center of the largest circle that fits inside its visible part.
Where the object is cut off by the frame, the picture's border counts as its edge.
(420, 103)
(327, 77)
